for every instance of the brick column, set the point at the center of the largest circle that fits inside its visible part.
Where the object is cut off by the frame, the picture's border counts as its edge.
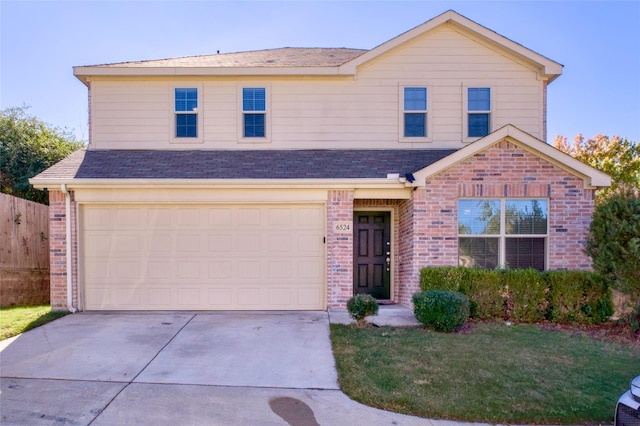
(339, 249)
(58, 250)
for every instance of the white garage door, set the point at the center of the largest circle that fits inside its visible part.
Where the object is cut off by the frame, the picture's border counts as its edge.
(244, 257)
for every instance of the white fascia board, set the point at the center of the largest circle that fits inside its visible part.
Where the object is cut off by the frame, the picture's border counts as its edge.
(83, 73)
(221, 183)
(592, 177)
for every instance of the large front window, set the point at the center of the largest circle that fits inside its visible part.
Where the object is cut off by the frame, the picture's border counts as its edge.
(508, 233)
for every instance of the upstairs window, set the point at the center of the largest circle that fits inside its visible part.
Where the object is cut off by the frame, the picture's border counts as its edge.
(254, 110)
(479, 111)
(186, 112)
(415, 112)
(494, 233)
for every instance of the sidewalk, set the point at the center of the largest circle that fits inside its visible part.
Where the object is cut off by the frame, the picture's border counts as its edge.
(388, 315)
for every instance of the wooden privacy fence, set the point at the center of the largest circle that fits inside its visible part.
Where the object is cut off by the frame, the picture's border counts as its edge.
(24, 252)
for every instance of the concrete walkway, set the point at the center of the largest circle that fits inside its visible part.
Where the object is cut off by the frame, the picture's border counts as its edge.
(182, 368)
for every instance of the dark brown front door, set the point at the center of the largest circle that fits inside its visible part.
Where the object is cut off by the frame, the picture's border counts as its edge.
(372, 254)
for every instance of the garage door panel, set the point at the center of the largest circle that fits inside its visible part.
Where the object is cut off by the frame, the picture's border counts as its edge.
(160, 244)
(97, 243)
(99, 297)
(250, 269)
(220, 270)
(248, 297)
(190, 217)
(159, 217)
(160, 270)
(310, 217)
(220, 297)
(203, 257)
(188, 271)
(189, 242)
(307, 296)
(220, 242)
(160, 296)
(250, 217)
(309, 270)
(280, 243)
(128, 296)
(189, 297)
(219, 216)
(307, 244)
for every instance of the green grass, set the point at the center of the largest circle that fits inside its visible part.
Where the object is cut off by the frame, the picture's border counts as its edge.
(494, 373)
(18, 319)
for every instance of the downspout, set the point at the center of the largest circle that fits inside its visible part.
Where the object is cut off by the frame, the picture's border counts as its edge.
(69, 256)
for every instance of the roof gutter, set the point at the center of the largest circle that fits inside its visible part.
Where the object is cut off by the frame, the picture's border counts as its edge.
(393, 181)
(69, 257)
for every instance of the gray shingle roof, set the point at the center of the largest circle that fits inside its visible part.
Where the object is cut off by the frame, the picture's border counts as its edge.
(283, 57)
(272, 164)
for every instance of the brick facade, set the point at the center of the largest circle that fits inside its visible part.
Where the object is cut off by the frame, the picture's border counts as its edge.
(501, 171)
(339, 249)
(424, 227)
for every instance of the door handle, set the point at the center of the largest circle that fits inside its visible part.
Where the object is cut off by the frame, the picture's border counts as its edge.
(388, 261)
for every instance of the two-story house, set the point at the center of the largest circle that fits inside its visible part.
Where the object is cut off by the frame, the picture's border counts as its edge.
(292, 178)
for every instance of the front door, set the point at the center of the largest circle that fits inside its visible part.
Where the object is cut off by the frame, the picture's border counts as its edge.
(372, 254)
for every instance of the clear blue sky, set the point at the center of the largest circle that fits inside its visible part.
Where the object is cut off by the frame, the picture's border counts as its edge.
(598, 42)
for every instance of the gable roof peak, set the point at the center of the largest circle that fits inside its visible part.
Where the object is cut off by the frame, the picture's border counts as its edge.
(592, 177)
(547, 68)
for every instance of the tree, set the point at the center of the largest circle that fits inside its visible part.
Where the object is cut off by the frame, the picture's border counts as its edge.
(27, 147)
(618, 157)
(613, 241)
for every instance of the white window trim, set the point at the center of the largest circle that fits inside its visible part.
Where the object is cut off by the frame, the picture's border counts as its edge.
(172, 114)
(267, 114)
(503, 236)
(429, 128)
(465, 110)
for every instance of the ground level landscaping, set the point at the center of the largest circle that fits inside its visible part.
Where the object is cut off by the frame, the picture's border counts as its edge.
(18, 319)
(488, 372)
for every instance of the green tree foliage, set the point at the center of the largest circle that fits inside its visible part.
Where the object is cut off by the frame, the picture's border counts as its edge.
(614, 240)
(27, 147)
(618, 157)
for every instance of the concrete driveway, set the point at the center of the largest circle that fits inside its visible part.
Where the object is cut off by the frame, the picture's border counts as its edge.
(179, 368)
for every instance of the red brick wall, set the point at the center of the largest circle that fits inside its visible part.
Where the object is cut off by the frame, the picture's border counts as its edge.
(58, 250)
(339, 249)
(505, 170)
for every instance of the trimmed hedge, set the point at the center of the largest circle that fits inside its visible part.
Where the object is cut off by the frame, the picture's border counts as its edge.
(526, 295)
(441, 310)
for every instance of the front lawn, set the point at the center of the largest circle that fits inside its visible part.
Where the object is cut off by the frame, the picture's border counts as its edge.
(488, 373)
(18, 319)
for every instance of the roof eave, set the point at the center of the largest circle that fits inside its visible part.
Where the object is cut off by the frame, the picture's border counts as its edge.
(72, 183)
(84, 73)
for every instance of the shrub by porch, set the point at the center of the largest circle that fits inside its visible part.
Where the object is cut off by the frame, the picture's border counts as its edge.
(527, 296)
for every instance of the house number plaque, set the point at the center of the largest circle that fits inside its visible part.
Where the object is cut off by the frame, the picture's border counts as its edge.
(342, 227)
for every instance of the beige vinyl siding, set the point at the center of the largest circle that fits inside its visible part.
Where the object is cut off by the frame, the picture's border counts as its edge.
(221, 106)
(127, 113)
(306, 112)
